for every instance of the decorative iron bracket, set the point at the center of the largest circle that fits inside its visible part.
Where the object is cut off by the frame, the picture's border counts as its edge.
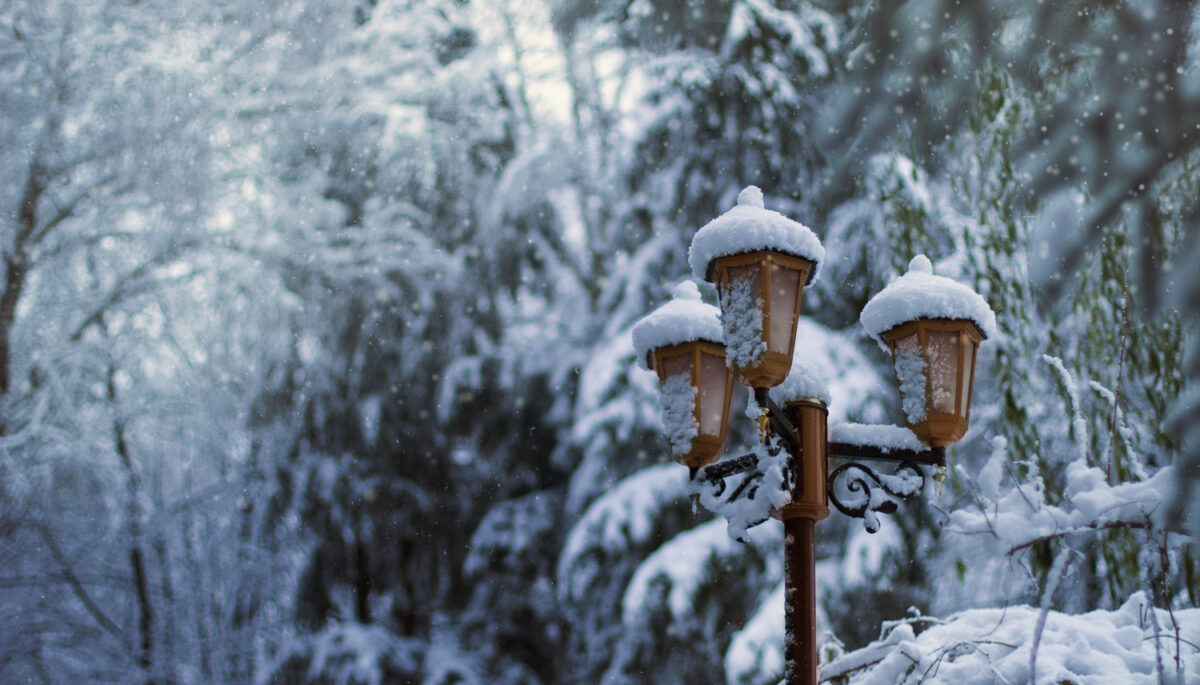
(765, 484)
(869, 492)
(855, 489)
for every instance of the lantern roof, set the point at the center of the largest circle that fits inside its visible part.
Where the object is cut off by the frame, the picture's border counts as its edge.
(684, 319)
(803, 381)
(750, 227)
(920, 294)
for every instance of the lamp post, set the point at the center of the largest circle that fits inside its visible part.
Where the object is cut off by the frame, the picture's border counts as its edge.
(760, 261)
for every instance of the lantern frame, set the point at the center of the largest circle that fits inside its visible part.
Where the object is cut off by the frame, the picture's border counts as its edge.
(773, 364)
(942, 428)
(706, 448)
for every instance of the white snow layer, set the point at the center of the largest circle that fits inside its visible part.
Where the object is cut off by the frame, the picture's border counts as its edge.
(741, 319)
(986, 646)
(757, 649)
(921, 294)
(684, 319)
(749, 227)
(910, 373)
(804, 378)
(678, 400)
(886, 438)
(621, 518)
(745, 512)
(1020, 516)
(681, 563)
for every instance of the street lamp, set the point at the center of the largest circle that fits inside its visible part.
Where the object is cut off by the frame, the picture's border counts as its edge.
(760, 262)
(681, 342)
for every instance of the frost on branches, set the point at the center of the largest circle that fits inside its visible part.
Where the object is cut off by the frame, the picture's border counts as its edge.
(741, 319)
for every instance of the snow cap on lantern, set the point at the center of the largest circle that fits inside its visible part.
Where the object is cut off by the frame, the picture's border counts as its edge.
(681, 342)
(760, 261)
(933, 326)
(684, 319)
(922, 294)
(750, 227)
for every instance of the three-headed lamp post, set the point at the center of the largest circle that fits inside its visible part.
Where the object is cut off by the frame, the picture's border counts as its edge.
(760, 261)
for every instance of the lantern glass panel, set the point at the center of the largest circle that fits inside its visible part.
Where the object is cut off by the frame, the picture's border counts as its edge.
(942, 348)
(747, 276)
(968, 366)
(675, 365)
(785, 285)
(714, 381)
(910, 373)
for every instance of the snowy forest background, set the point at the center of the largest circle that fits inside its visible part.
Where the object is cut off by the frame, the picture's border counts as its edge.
(315, 361)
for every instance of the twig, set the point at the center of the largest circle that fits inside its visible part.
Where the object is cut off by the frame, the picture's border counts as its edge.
(1057, 571)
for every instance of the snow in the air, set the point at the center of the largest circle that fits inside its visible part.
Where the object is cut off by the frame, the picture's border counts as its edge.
(885, 438)
(678, 401)
(686, 318)
(803, 380)
(922, 294)
(741, 320)
(748, 227)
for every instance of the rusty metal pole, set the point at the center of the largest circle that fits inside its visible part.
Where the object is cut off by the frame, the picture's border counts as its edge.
(800, 602)
(809, 504)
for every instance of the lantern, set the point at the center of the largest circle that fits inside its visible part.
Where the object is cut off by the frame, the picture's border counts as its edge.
(932, 326)
(760, 262)
(680, 341)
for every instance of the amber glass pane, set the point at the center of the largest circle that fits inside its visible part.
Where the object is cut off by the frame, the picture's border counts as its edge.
(943, 370)
(785, 285)
(677, 364)
(714, 378)
(968, 350)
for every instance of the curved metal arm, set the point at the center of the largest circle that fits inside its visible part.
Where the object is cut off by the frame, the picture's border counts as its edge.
(871, 491)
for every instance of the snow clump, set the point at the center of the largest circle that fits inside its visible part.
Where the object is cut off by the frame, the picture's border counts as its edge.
(678, 401)
(921, 294)
(803, 380)
(684, 319)
(741, 321)
(749, 227)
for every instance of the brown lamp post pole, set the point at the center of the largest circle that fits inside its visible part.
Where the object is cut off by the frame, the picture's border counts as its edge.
(760, 262)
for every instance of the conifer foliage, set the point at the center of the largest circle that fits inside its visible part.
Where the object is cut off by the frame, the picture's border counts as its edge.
(316, 362)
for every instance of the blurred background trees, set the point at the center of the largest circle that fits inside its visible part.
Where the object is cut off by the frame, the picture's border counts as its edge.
(314, 350)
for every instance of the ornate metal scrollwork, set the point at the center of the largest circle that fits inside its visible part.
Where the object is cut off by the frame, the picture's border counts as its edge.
(870, 491)
(745, 505)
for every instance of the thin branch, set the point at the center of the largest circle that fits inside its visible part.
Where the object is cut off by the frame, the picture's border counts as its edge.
(1083, 529)
(105, 622)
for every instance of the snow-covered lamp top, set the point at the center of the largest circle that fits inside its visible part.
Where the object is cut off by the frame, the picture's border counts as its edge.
(920, 294)
(749, 227)
(802, 381)
(684, 319)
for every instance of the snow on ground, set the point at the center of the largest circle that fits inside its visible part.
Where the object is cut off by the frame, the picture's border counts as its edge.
(987, 646)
